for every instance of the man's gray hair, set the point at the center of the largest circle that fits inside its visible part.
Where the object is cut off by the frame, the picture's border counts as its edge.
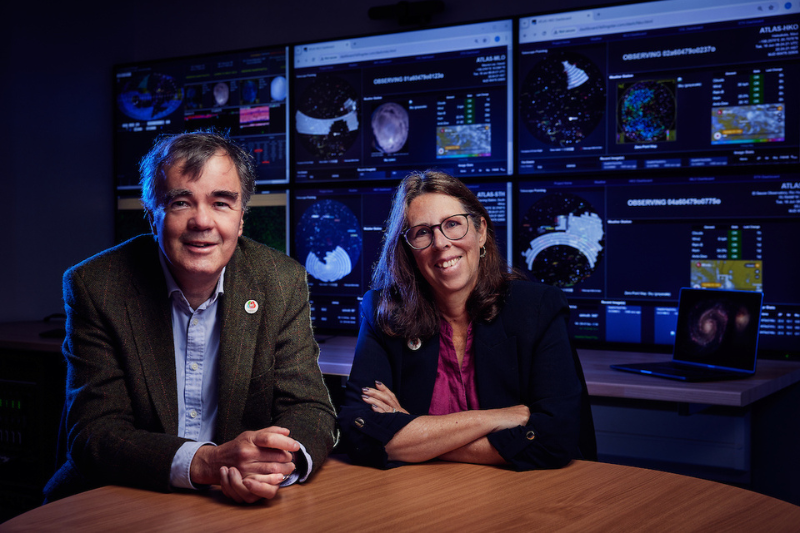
(191, 150)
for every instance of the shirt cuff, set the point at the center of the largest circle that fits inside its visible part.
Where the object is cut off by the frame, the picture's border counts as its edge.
(296, 476)
(180, 472)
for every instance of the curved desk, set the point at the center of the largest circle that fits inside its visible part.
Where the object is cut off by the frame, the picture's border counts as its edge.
(584, 496)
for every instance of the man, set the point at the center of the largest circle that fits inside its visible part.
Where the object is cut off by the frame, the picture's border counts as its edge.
(191, 359)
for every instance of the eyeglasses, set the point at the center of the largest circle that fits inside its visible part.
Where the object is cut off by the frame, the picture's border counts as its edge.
(454, 228)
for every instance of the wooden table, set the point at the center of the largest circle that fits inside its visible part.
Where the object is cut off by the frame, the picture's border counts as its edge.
(584, 496)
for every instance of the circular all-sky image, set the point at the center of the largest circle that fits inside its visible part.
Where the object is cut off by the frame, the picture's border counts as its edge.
(277, 89)
(328, 240)
(562, 239)
(249, 90)
(562, 99)
(390, 127)
(327, 117)
(150, 97)
(222, 92)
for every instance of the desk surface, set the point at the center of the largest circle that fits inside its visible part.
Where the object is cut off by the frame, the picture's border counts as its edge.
(584, 496)
(336, 357)
(601, 380)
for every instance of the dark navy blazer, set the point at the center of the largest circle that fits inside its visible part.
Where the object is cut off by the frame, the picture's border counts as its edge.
(523, 356)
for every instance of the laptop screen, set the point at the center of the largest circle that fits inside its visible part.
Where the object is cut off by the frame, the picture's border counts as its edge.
(718, 328)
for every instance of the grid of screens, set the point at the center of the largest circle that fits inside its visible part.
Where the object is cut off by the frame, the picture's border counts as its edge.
(623, 152)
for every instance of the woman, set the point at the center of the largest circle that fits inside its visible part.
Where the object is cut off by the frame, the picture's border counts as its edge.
(458, 358)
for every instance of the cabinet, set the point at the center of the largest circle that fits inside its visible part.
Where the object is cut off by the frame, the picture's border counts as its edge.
(32, 383)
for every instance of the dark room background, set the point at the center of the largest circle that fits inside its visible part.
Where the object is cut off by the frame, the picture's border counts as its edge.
(56, 98)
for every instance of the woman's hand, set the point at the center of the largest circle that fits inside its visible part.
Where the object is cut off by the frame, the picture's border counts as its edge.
(511, 417)
(382, 399)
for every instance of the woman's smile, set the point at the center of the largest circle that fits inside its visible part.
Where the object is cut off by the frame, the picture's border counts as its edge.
(448, 262)
(449, 266)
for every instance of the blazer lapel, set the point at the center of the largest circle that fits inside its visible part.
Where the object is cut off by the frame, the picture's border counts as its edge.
(149, 312)
(496, 365)
(422, 365)
(237, 344)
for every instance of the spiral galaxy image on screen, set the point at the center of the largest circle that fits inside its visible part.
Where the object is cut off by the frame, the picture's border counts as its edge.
(713, 322)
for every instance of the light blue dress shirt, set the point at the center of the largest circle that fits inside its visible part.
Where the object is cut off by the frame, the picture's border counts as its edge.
(196, 336)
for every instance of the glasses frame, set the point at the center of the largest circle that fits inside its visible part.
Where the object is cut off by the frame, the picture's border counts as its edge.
(439, 225)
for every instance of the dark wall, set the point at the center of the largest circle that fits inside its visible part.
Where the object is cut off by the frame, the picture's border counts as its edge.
(56, 107)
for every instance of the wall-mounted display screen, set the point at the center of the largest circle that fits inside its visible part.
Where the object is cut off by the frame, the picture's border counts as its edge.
(267, 218)
(243, 93)
(337, 237)
(659, 86)
(377, 107)
(621, 250)
(496, 198)
(623, 152)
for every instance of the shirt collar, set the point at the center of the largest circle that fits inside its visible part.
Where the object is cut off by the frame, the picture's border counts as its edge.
(173, 288)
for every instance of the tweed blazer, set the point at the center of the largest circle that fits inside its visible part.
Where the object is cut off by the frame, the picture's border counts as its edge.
(523, 356)
(121, 397)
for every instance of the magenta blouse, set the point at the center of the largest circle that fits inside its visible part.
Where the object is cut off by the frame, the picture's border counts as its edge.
(454, 389)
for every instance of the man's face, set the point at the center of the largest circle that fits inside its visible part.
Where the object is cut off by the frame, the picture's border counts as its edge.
(199, 223)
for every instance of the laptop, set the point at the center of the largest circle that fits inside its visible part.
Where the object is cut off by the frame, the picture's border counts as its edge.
(716, 337)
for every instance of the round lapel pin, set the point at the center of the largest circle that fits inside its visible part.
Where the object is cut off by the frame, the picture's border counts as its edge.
(414, 344)
(251, 306)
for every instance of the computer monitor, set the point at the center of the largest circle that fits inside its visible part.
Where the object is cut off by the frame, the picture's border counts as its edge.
(243, 93)
(621, 249)
(336, 236)
(376, 107)
(496, 197)
(659, 86)
(267, 217)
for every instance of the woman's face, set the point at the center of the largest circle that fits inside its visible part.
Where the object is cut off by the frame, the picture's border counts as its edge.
(450, 267)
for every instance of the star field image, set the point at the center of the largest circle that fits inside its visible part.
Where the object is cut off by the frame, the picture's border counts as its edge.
(562, 99)
(327, 117)
(562, 239)
(329, 240)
